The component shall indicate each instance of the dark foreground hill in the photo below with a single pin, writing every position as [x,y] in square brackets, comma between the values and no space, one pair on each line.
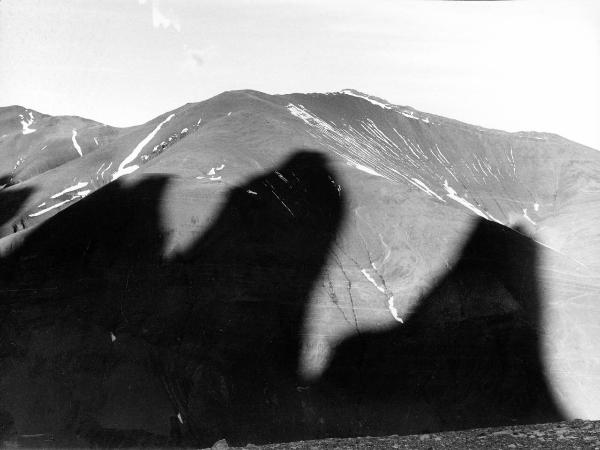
[281,268]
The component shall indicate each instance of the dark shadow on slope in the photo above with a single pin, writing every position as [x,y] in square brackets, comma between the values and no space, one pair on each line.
[468,356]
[250,275]
[11,202]
[107,343]
[75,279]
[111,344]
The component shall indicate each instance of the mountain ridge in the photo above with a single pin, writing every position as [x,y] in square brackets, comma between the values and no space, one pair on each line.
[341,91]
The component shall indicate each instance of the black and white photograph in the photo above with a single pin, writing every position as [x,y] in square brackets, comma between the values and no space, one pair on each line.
[300,224]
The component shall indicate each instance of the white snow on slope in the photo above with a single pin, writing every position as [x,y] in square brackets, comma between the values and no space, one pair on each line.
[71,189]
[426,189]
[108,167]
[84,193]
[100,168]
[372,280]
[365,97]
[454,196]
[75,144]
[364,168]
[394,310]
[310,119]
[27,123]
[390,302]
[44,211]
[212,170]
[123,169]
[529,219]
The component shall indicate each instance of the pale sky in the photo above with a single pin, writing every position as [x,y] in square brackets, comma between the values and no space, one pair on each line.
[512,65]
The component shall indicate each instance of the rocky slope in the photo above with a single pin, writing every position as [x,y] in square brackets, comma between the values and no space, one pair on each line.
[275,268]
[562,435]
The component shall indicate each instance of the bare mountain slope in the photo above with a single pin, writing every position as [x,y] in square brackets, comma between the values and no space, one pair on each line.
[274,268]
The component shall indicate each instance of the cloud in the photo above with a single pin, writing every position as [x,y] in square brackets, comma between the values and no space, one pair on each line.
[160,19]
[197,57]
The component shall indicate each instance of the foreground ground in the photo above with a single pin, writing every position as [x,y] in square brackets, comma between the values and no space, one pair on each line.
[577,434]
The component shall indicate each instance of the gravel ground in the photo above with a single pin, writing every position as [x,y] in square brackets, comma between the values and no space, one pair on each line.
[577,434]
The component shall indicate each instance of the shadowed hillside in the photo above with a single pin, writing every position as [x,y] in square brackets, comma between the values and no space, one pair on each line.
[107,342]
[468,356]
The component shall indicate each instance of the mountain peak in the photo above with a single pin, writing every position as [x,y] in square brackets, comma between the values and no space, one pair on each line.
[370,98]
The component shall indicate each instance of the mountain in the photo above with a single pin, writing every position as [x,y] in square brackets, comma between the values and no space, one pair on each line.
[269,268]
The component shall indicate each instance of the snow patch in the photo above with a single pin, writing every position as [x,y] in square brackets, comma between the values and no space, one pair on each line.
[27,123]
[426,189]
[108,167]
[75,144]
[123,169]
[394,310]
[44,211]
[215,178]
[307,117]
[213,169]
[536,207]
[96,141]
[364,169]
[84,193]
[529,219]
[372,280]
[70,189]
[365,97]
[390,302]
[113,338]
[454,196]
[409,114]
[281,177]
[185,130]
[179,418]
[100,168]
[249,191]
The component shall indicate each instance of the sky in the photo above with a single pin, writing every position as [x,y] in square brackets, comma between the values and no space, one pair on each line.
[512,65]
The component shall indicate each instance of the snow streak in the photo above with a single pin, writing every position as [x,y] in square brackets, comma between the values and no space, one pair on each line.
[123,168]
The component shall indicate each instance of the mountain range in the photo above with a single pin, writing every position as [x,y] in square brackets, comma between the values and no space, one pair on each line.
[269,268]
